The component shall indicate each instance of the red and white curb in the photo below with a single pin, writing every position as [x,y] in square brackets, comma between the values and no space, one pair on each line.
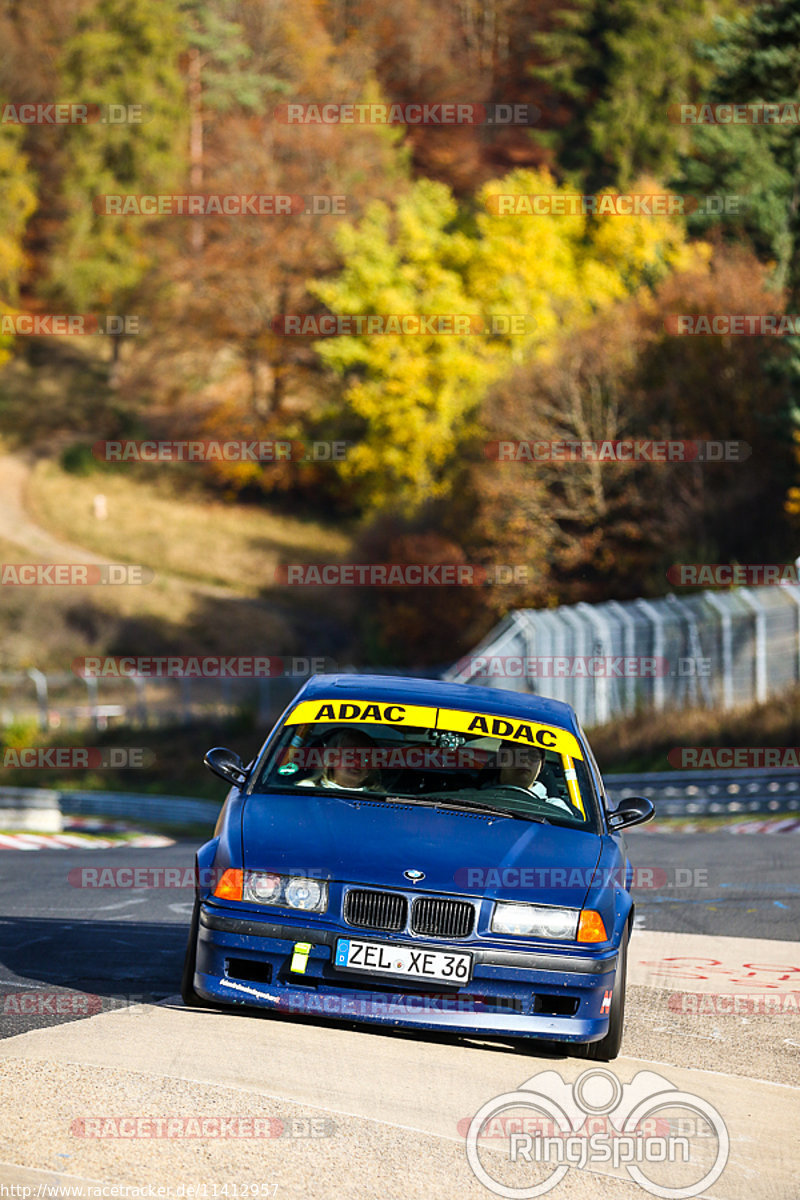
[77,841]
[765,825]
[788,825]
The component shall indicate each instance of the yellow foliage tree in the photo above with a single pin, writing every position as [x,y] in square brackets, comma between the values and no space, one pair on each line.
[524,279]
[17,202]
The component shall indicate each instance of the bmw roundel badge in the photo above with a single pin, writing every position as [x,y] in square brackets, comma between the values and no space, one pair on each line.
[414,876]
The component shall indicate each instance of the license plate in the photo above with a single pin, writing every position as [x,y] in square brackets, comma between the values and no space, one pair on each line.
[375,959]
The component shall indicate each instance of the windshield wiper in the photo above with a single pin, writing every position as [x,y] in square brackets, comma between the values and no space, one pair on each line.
[495,812]
[426,801]
[453,803]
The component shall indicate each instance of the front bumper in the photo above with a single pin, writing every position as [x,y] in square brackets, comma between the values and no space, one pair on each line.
[556,995]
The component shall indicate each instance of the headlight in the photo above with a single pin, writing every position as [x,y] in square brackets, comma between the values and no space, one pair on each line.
[306,893]
[532,920]
[287,891]
[263,888]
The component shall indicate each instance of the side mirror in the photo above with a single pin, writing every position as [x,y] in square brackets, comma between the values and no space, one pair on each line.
[227,765]
[633,810]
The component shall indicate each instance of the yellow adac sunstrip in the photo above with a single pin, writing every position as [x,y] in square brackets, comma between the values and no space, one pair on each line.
[362,712]
[510,729]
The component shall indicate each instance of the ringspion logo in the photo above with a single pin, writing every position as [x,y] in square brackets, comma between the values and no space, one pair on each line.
[651,1128]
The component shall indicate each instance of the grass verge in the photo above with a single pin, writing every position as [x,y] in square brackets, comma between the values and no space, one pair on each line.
[155,523]
[642,743]
[174,766]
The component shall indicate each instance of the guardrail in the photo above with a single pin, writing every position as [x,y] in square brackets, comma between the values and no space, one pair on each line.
[178,810]
[674,793]
[30,808]
[44,809]
[710,793]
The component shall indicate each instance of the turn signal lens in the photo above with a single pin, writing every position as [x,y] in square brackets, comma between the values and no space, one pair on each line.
[591,927]
[230,886]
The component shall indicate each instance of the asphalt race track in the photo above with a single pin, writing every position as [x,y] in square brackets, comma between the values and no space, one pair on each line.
[92,1027]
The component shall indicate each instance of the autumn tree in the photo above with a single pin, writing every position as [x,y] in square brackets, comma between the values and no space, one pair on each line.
[31,36]
[410,393]
[478,51]
[726,388]
[17,203]
[219,361]
[523,279]
[124,53]
[609,528]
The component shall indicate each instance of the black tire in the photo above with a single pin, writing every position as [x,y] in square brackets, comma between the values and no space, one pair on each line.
[608,1047]
[188,994]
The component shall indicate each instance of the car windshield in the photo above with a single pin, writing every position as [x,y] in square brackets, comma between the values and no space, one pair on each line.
[517,769]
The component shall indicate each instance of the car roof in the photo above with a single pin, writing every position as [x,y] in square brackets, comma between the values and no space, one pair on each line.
[438,692]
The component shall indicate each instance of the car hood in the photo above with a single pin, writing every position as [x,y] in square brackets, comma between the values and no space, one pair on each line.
[374,843]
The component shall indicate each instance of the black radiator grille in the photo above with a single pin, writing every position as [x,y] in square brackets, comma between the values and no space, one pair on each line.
[442,918]
[375,910]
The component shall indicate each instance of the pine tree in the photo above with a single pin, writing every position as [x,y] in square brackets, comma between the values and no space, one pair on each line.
[219,79]
[617,65]
[758,60]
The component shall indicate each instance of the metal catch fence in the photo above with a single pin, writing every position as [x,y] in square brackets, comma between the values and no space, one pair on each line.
[712,649]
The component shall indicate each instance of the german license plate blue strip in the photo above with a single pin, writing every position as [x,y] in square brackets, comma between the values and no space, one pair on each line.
[342,951]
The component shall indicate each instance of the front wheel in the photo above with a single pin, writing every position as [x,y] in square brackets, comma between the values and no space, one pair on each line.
[188,994]
[608,1047]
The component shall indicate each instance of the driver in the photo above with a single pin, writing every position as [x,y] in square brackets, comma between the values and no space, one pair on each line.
[523,772]
[347,768]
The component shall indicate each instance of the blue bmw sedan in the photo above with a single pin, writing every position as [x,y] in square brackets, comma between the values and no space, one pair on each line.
[419,854]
